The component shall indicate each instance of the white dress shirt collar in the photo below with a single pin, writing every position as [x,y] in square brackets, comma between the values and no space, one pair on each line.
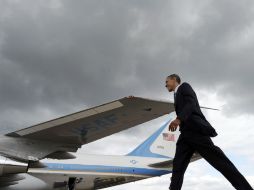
[175,91]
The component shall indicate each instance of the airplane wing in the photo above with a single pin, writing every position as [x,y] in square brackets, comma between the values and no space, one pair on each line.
[89,125]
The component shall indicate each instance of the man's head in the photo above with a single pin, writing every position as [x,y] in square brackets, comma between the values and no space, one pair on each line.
[172,81]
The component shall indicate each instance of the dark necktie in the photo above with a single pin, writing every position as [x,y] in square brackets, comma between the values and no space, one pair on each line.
[174,97]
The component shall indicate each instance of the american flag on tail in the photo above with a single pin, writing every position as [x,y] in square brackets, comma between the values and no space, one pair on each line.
[168,137]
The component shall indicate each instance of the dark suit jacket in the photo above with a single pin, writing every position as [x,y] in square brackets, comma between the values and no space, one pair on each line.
[188,111]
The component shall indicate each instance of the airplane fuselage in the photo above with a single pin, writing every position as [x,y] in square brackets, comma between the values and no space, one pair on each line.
[90,172]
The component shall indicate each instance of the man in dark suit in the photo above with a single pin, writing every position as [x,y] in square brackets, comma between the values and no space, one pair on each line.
[195,137]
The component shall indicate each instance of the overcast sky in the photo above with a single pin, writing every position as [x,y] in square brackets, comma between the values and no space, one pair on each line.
[58,57]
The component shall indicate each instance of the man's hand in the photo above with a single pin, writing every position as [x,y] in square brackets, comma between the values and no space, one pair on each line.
[174,124]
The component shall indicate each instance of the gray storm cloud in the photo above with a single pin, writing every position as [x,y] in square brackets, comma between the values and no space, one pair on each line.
[64,55]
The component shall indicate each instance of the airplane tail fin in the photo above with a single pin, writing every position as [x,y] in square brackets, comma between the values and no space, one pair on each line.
[161,144]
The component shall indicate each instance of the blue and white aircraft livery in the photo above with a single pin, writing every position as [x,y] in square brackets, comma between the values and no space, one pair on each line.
[40,158]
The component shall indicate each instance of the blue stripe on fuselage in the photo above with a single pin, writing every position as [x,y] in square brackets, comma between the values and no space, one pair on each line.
[106,169]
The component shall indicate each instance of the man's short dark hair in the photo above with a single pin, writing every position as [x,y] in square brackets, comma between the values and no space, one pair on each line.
[178,79]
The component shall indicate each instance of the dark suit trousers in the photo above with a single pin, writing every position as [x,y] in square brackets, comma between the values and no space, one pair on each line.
[187,145]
